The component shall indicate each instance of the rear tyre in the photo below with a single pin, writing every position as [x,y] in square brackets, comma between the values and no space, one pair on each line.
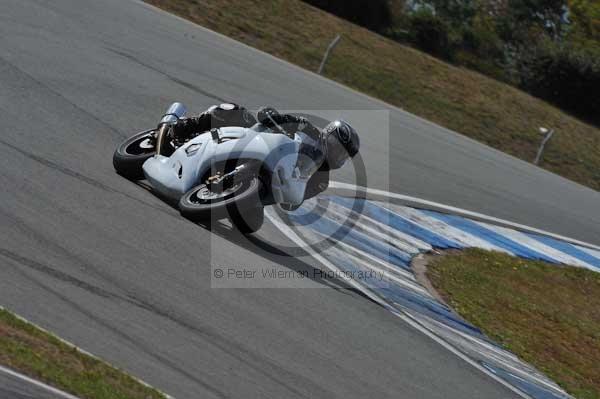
[131,154]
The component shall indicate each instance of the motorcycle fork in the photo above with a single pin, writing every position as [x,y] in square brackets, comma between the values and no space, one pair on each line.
[160,138]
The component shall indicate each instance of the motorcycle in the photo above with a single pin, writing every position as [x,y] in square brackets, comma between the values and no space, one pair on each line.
[229,172]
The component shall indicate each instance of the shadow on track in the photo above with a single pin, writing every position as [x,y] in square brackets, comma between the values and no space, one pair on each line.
[264,249]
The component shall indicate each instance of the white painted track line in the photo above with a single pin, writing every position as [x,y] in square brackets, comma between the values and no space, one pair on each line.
[407,318]
[29,380]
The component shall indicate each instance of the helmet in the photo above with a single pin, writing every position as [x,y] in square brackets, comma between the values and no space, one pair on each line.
[229,114]
[342,143]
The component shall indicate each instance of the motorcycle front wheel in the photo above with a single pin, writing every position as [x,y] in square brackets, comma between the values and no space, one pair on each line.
[131,154]
[248,222]
[241,203]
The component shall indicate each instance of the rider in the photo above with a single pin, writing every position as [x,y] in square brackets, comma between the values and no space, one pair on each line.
[215,116]
[328,149]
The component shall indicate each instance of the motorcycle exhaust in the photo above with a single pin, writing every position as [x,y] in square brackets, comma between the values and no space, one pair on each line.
[174,112]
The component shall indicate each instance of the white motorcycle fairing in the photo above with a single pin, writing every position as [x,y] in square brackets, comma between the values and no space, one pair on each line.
[176,174]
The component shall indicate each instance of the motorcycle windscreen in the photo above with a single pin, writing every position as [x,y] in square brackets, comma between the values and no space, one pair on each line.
[310,158]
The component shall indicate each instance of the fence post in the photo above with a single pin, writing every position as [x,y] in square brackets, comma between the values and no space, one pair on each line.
[547,136]
[326,55]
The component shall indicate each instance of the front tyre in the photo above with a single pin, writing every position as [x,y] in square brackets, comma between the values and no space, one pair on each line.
[249,221]
[131,154]
[201,204]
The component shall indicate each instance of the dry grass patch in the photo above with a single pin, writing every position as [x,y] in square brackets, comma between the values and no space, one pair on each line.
[548,315]
[465,101]
[33,352]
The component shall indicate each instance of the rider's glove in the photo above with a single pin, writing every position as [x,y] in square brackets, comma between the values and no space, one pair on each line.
[302,123]
[267,116]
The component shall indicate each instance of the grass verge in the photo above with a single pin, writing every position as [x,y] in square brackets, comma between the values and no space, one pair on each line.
[546,314]
[33,352]
[464,101]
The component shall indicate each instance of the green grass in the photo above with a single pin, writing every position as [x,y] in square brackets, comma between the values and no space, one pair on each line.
[462,100]
[548,315]
[27,349]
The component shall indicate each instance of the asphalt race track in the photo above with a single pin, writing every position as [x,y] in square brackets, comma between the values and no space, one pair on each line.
[107,265]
